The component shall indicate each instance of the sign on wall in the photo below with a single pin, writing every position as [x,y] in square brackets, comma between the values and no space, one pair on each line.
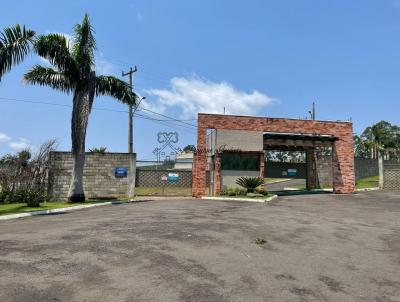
[292,172]
[173,177]
[121,172]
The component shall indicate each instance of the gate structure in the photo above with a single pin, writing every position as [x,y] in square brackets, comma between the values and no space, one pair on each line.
[251,136]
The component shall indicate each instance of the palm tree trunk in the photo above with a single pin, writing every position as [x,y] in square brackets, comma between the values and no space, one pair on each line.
[80,117]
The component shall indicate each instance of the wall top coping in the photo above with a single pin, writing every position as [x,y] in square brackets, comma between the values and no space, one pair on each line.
[95,153]
[275,118]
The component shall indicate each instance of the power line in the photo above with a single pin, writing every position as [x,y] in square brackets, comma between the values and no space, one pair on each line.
[163,122]
[169,117]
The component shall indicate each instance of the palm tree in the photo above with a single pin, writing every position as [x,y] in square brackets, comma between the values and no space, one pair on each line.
[15,44]
[74,74]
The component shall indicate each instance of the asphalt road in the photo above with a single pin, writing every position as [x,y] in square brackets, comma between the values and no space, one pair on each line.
[318,248]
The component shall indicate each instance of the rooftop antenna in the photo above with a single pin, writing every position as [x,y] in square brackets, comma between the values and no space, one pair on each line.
[313,110]
[224,110]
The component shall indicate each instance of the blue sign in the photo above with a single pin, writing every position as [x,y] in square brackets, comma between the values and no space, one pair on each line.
[173,177]
[121,172]
[292,172]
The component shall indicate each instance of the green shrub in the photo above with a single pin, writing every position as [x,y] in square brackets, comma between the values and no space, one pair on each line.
[232,191]
[101,150]
[240,191]
[261,191]
[4,196]
[31,197]
[34,198]
[250,183]
[224,191]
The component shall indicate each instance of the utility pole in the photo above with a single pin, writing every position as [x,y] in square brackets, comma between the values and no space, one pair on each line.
[130,123]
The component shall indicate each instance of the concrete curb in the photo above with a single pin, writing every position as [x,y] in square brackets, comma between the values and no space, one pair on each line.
[60,210]
[295,189]
[368,189]
[240,199]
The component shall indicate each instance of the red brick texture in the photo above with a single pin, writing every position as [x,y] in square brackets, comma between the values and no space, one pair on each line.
[342,159]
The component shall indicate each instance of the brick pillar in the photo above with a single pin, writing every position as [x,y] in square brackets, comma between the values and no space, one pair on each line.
[217,173]
[262,168]
[200,163]
[311,169]
[343,164]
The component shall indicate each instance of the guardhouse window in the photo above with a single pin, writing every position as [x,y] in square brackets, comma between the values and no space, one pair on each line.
[242,162]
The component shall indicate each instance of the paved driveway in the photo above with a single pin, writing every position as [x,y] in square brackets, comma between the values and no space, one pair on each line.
[280,186]
[319,248]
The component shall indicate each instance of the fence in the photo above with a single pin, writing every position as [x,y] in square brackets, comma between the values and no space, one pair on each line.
[163,178]
[391,176]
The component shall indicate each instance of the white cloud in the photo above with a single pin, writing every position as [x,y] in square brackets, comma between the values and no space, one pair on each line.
[19,145]
[103,66]
[4,138]
[195,94]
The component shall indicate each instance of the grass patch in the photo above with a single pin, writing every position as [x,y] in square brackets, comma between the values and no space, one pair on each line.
[166,191]
[368,182]
[260,241]
[16,208]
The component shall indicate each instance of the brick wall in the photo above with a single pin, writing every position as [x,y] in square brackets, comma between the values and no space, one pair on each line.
[342,160]
[99,176]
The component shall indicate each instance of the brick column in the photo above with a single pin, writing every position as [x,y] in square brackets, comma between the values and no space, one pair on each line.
[217,174]
[200,163]
[262,168]
[311,169]
[343,164]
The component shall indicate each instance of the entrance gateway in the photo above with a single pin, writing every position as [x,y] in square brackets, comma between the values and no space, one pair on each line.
[251,137]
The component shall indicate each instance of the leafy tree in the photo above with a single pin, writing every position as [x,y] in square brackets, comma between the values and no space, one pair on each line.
[382,138]
[73,73]
[15,44]
[189,148]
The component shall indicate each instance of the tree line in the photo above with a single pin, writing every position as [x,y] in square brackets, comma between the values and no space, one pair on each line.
[380,139]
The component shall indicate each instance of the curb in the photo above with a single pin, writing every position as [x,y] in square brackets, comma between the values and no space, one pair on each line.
[240,199]
[60,210]
[295,189]
[368,189]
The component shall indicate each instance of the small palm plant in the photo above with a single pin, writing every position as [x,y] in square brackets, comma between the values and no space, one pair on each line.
[249,183]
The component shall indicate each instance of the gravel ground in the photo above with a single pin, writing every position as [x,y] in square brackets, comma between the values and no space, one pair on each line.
[318,248]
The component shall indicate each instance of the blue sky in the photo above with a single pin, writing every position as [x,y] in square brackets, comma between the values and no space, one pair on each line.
[259,57]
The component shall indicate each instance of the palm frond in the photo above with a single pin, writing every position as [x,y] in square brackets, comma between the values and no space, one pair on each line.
[84,45]
[55,48]
[111,86]
[47,76]
[15,43]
